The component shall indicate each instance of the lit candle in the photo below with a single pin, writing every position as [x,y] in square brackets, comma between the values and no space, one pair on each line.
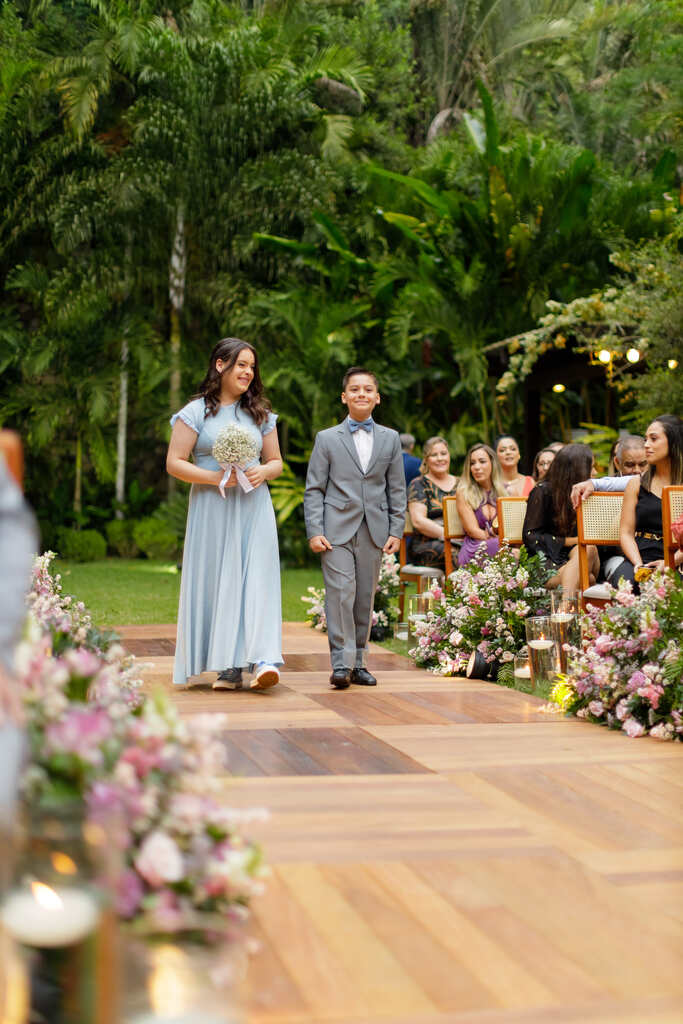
[46,918]
[562,617]
[523,672]
[402,634]
[541,644]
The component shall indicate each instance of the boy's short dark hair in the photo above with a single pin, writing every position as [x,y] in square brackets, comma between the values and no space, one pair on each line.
[356,371]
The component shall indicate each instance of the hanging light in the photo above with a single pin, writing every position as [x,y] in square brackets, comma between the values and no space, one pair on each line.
[672,364]
[558,388]
[633,355]
[604,355]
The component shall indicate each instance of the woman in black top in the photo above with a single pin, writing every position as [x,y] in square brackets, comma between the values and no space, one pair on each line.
[640,533]
[550,521]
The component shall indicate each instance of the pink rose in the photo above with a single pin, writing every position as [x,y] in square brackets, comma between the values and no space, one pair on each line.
[159,860]
[633,728]
[596,708]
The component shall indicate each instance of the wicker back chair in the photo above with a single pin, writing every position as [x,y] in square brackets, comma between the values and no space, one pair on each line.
[12,452]
[672,509]
[409,573]
[453,531]
[511,513]
[597,521]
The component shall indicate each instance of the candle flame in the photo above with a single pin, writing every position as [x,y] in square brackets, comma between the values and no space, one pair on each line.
[46,896]
[63,863]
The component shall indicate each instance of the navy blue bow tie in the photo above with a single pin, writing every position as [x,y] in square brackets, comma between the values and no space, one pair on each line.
[354,425]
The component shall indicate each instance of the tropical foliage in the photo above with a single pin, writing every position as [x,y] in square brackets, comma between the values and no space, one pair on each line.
[402,184]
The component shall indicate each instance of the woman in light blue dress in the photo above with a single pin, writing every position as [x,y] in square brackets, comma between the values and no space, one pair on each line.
[230,615]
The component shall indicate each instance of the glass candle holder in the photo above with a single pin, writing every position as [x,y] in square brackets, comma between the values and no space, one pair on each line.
[522,668]
[419,606]
[565,608]
[192,976]
[542,649]
[55,908]
[402,631]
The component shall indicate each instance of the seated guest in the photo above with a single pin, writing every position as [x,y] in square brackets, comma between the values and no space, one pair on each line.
[477,495]
[516,484]
[629,456]
[542,463]
[425,495]
[640,533]
[550,522]
[411,463]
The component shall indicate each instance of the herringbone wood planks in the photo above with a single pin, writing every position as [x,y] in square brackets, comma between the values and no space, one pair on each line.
[445,853]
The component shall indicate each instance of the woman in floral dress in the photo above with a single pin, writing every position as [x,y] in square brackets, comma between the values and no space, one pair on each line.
[425,496]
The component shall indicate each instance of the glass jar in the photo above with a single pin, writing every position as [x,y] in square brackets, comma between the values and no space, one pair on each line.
[193,976]
[56,910]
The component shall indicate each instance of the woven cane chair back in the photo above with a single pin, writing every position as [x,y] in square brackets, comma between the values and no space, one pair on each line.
[453,530]
[597,522]
[511,513]
[672,509]
[598,518]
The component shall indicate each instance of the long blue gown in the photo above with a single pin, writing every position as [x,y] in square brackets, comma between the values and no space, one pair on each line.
[230,613]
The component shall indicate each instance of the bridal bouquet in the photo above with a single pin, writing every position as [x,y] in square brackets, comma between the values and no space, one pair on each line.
[234,448]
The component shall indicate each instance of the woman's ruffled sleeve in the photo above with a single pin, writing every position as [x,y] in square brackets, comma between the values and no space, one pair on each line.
[191,414]
[538,526]
[268,425]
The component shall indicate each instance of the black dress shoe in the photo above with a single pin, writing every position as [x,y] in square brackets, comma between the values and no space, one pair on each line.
[361,677]
[340,679]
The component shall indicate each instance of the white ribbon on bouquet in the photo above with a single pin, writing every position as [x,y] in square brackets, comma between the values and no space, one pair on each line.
[242,478]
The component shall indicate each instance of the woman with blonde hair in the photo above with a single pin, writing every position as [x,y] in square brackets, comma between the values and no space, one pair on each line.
[480,487]
[425,496]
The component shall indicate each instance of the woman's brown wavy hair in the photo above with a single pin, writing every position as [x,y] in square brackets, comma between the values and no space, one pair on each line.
[571,465]
[253,400]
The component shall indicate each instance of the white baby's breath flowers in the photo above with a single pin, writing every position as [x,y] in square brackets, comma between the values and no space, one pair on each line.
[235,445]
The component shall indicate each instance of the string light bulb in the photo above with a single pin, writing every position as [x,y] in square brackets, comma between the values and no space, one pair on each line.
[672,364]
[633,355]
[604,355]
[558,388]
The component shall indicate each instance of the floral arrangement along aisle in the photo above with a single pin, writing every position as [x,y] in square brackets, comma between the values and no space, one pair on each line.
[629,673]
[385,611]
[483,608]
[128,758]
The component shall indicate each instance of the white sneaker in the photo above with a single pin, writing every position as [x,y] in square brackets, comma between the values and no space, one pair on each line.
[266,676]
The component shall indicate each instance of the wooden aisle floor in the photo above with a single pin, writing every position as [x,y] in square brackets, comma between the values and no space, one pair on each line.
[443,852]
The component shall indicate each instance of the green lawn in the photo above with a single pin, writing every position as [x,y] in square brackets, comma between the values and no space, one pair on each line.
[122,591]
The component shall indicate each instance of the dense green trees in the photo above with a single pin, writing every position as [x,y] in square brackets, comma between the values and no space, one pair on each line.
[402,184]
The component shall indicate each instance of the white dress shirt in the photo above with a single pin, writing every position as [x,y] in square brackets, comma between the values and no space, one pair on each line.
[363,440]
[615,484]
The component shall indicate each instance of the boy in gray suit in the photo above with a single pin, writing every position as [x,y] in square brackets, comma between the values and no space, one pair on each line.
[354,506]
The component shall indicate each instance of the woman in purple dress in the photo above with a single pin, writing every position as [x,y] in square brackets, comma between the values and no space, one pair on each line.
[480,487]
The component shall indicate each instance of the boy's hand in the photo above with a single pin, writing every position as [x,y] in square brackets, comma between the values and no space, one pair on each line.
[392,546]
[319,544]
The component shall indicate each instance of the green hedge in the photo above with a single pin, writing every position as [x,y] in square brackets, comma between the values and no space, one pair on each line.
[156,539]
[81,545]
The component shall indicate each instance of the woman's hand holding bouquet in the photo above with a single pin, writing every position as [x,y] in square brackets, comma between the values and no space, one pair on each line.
[233,449]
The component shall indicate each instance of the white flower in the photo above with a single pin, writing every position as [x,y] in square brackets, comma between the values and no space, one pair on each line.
[235,445]
[159,860]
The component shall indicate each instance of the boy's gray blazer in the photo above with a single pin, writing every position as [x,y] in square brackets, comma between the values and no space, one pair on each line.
[339,494]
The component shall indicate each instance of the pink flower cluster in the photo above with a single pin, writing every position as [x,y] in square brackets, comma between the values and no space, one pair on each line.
[483,608]
[628,674]
[152,779]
